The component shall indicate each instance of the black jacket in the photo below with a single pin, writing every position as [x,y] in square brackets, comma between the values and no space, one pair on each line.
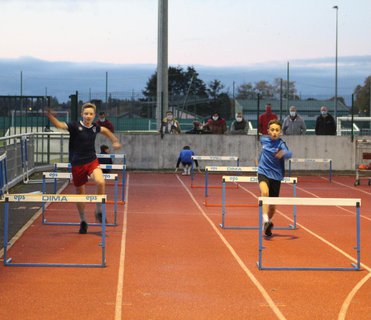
[325,126]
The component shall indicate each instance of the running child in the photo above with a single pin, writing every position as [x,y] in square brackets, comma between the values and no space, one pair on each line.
[271,169]
[82,156]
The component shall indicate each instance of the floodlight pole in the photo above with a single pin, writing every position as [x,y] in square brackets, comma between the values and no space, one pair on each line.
[162,62]
[336,65]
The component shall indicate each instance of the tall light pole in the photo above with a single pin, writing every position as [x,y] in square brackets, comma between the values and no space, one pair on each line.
[336,65]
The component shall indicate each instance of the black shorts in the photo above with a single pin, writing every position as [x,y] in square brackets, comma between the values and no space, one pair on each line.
[273,185]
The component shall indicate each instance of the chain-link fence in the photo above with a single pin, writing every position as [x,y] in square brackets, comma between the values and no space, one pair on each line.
[133,112]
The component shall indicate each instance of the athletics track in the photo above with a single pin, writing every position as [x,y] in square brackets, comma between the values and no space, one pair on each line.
[169,259]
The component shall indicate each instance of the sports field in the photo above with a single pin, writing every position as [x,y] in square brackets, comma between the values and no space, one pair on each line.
[168,257]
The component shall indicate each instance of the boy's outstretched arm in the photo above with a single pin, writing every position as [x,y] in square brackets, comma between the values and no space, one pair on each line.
[56,123]
[115,141]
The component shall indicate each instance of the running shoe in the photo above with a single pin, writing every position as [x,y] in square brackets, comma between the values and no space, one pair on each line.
[83,227]
[268,228]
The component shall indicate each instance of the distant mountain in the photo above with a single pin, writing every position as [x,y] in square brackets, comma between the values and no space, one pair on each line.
[313,78]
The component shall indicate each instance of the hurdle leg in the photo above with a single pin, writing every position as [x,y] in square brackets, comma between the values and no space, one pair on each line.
[223,203]
[358,244]
[6,233]
[260,256]
[103,244]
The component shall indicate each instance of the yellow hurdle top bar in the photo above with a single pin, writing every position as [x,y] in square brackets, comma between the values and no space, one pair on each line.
[240,169]
[30,197]
[255,179]
[310,201]
[215,158]
[68,175]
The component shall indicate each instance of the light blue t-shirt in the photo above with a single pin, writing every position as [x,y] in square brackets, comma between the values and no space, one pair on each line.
[269,165]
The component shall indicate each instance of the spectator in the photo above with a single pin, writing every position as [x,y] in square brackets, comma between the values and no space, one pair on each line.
[216,124]
[264,119]
[169,124]
[104,122]
[185,158]
[325,123]
[197,128]
[294,124]
[105,150]
[240,125]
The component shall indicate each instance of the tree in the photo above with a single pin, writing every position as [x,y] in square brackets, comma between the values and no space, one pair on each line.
[293,95]
[246,91]
[215,89]
[181,83]
[264,88]
[362,96]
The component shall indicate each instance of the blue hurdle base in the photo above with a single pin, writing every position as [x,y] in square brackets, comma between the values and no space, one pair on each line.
[76,224]
[354,268]
[289,227]
[66,265]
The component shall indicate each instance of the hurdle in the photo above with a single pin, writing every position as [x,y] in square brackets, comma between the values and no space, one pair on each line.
[212,158]
[26,197]
[122,167]
[310,202]
[68,176]
[303,160]
[239,179]
[3,176]
[223,169]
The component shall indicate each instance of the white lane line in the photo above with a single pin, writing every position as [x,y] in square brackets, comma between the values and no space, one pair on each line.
[349,298]
[120,280]
[253,279]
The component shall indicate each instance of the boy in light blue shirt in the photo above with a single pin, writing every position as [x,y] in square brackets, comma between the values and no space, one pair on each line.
[271,169]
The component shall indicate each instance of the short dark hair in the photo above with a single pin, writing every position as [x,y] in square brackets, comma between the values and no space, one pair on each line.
[101,113]
[275,121]
[103,147]
[186,148]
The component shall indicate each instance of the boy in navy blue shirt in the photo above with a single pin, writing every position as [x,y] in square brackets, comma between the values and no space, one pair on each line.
[185,158]
[83,157]
[271,169]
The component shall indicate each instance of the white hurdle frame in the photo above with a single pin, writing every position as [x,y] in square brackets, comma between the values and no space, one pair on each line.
[213,158]
[310,202]
[225,169]
[26,197]
[66,165]
[68,176]
[303,160]
[241,179]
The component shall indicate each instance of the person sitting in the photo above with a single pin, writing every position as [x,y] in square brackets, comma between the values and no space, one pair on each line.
[240,125]
[216,124]
[105,150]
[197,128]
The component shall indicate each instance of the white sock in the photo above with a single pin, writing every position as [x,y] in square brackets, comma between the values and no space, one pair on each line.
[82,216]
[265,217]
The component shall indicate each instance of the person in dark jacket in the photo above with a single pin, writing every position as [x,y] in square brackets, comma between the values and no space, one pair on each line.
[325,123]
[105,150]
[216,124]
[104,122]
[240,125]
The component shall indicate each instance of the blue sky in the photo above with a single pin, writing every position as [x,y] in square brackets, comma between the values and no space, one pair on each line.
[201,32]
